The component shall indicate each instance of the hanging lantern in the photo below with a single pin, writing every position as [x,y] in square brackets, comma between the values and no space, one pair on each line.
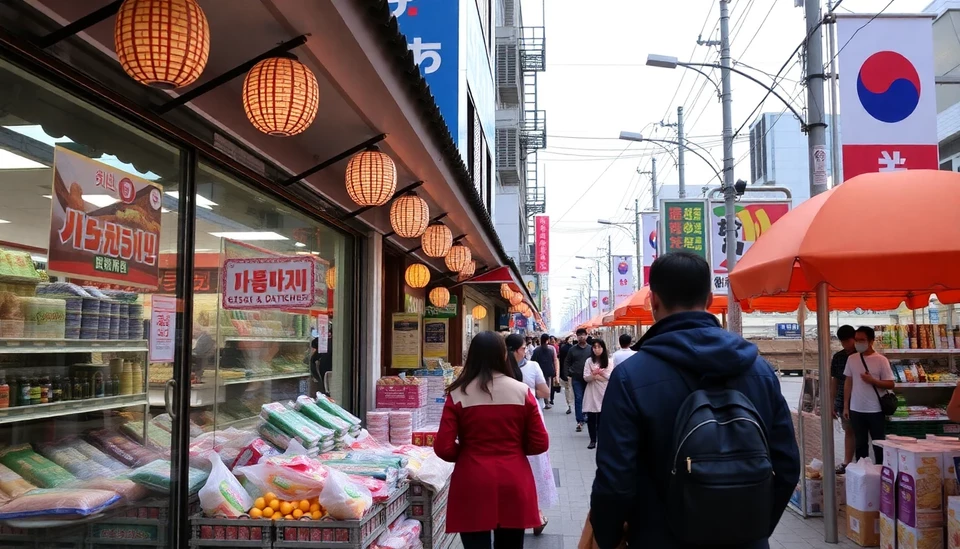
[469,269]
[458,256]
[516,298]
[479,312]
[440,297]
[506,291]
[331,278]
[417,275]
[518,308]
[371,178]
[525,309]
[162,43]
[409,215]
[436,240]
[281,96]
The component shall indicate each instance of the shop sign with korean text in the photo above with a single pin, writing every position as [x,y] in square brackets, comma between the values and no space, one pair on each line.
[436,337]
[163,327]
[450,311]
[268,283]
[750,221]
[406,348]
[684,227]
[542,243]
[888,98]
[104,223]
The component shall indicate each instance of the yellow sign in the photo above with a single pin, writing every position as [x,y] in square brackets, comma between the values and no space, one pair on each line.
[406,341]
[436,337]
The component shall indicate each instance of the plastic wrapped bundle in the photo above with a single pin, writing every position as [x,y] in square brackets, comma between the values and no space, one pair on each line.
[34,468]
[378,426]
[12,484]
[401,428]
[95,454]
[62,503]
[122,448]
[73,461]
[292,423]
[156,476]
[308,407]
[326,404]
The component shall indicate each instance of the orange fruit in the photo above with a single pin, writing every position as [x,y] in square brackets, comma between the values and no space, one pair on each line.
[314,507]
[260,503]
[270,496]
[304,505]
[277,516]
[286,508]
[275,504]
[297,513]
[316,515]
[256,513]
[268,512]
[288,517]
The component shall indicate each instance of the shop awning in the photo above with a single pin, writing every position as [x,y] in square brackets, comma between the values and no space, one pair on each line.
[505,275]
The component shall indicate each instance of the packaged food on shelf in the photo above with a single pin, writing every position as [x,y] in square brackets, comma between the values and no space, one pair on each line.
[323,401]
[73,461]
[308,407]
[157,438]
[293,424]
[156,476]
[129,490]
[12,484]
[222,494]
[122,448]
[97,455]
[58,502]
[34,468]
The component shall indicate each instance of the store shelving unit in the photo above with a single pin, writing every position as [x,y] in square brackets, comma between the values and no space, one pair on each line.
[924,393]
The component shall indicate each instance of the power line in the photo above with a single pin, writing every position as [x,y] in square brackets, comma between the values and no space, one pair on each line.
[587,190]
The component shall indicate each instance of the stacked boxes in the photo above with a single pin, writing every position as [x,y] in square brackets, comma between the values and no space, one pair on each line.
[863,503]
[920,516]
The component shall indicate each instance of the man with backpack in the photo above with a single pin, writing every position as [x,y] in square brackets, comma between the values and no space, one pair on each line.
[700,448]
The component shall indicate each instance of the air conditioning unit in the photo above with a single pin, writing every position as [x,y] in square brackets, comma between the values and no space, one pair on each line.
[509,159]
[508,72]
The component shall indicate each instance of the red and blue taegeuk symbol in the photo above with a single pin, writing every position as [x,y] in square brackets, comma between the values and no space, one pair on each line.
[888,86]
[622,267]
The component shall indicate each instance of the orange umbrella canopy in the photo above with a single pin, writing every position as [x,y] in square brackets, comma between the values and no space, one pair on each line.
[877,240]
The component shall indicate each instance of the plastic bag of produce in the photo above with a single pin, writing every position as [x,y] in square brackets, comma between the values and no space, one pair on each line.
[35,468]
[156,476]
[344,499]
[291,477]
[58,502]
[13,484]
[222,495]
[325,403]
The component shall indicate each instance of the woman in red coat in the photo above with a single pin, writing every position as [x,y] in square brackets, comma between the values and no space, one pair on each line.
[490,425]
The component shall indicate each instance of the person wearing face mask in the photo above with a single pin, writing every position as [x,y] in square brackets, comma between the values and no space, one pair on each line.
[644,456]
[868,375]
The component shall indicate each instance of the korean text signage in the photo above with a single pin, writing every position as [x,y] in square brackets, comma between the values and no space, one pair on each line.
[406,341]
[436,337]
[683,227]
[605,301]
[594,306]
[432,28]
[94,239]
[788,330]
[622,278]
[649,223]
[163,326]
[542,248]
[268,283]
[751,220]
[888,100]
[450,311]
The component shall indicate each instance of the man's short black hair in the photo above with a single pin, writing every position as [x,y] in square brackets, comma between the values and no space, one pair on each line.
[681,280]
[581,331]
[867,331]
[846,332]
[544,338]
[625,340]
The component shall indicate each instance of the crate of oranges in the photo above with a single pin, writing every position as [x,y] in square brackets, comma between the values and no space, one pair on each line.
[271,507]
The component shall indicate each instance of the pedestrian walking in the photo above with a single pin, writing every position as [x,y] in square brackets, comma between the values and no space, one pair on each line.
[562,373]
[624,352]
[698,442]
[546,357]
[846,335]
[490,424]
[867,374]
[540,464]
[576,356]
[596,372]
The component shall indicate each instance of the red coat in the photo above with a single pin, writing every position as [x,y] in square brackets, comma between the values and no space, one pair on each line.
[488,437]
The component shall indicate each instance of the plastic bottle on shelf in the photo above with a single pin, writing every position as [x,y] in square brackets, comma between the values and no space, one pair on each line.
[34,390]
[77,389]
[24,394]
[137,385]
[86,387]
[97,385]
[115,382]
[66,389]
[44,389]
[57,391]
[4,393]
[126,379]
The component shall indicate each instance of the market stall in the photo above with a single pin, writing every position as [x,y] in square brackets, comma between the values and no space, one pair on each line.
[802,254]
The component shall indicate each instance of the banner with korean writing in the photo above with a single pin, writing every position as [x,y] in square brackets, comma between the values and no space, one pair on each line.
[594,305]
[233,249]
[751,220]
[649,223]
[683,226]
[268,283]
[542,243]
[605,301]
[104,223]
[623,286]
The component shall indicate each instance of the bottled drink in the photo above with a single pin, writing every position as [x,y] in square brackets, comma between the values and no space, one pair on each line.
[115,380]
[35,390]
[4,393]
[77,389]
[87,388]
[57,389]
[98,389]
[44,389]
[66,388]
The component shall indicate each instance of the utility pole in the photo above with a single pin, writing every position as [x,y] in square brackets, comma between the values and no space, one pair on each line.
[734,320]
[680,168]
[653,179]
[817,144]
[639,262]
[613,294]
[836,168]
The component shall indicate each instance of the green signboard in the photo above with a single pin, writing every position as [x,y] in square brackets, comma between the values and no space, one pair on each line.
[684,225]
[450,311]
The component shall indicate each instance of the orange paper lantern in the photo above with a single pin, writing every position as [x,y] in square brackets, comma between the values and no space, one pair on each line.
[479,312]
[417,275]
[331,278]
[409,215]
[162,43]
[440,297]
[281,96]
[436,240]
[458,257]
[516,298]
[371,178]
[506,291]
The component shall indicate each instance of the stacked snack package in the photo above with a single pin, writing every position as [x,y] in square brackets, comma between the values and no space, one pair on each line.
[378,426]
[401,428]
[328,405]
[292,423]
[156,476]
[34,468]
[308,407]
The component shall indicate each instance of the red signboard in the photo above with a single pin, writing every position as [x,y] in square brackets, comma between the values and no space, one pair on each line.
[860,159]
[542,248]
[268,283]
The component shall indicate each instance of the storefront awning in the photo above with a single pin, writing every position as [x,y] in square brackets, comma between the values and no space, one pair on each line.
[506,275]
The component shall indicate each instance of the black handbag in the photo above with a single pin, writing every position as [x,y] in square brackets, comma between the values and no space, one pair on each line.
[888,401]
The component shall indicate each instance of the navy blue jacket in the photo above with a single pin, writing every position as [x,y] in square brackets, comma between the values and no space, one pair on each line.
[639,411]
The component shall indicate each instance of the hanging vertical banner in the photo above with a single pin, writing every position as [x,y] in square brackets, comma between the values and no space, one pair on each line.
[605,301]
[622,278]
[888,99]
[751,220]
[594,306]
[542,247]
[649,223]
[323,333]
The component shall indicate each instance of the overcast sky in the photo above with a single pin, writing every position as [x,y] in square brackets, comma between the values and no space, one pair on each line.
[596,85]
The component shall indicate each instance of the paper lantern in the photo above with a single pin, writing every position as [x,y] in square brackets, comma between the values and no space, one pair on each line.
[518,308]
[516,298]
[331,278]
[371,178]
[417,275]
[162,43]
[479,312]
[506,291]
[281,96]
[409,216]
[469,269]
[440,297]
[458,256]
[436,240]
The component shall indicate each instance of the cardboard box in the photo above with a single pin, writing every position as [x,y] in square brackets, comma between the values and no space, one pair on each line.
[863,527]
[401,396]
[888,493]
[953,522]
[814,488]
[920,515]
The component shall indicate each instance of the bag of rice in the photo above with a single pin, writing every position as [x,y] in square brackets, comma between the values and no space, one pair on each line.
[72,460]
[127,489]
[35,468]
[122,448]
[64,503]
[156,476]
[13,484]
[95,454]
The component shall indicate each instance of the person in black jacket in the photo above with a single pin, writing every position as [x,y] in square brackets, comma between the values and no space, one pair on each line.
[576,357]
[644,396]
[564,378]
[546,356]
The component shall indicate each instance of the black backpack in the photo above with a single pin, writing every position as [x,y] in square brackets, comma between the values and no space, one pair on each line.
[720,490]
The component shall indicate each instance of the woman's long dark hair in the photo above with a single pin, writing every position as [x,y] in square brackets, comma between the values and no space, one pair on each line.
[487,356]
[514,342]
[603,359]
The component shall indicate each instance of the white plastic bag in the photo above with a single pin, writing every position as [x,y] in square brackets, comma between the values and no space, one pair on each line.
[222,495]
[434,473]
[343,498]
[291,477]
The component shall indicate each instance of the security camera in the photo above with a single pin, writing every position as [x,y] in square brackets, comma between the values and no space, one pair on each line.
[740,187]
